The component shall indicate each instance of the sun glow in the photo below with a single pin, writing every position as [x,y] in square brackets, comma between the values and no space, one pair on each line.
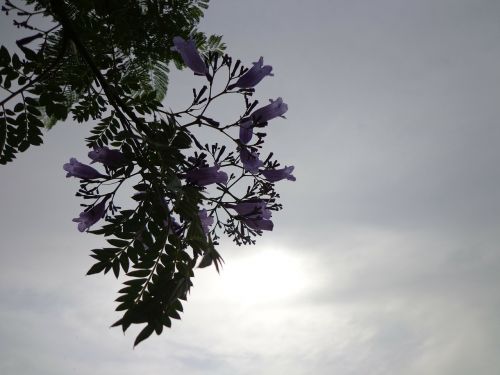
[265,275]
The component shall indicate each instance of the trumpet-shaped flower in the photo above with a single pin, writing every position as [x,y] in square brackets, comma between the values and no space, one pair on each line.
[80,170]
[246,131]
[206,221]
[252,209]
[206,175]
[173,226]
[250,160]
[190,55]
[253,76]
[259,224]
[254,214]
[276,109]
[110,158]
[90,217]
[274,175]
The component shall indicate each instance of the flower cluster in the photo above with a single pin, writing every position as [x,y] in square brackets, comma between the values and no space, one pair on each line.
[186,192]
[109,158]
[252,211]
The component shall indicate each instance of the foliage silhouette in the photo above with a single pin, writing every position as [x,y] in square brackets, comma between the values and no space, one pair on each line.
[109,61]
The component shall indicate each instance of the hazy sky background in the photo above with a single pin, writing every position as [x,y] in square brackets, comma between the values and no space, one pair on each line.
[385,259]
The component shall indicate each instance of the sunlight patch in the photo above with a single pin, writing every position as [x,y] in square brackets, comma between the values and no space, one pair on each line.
[271,274]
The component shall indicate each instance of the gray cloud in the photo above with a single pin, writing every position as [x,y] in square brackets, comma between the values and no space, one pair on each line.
[385,259]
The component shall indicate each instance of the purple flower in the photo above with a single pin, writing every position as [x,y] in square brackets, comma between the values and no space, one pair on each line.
[90,217]
[175,227]
[110,158]
[276,109]
[83,171]
[206,221]
[250,160]
[259,224]
[254,214]
[253,76]
[246,131]
[206,175]
[190,55]
[274,175]
[252,209]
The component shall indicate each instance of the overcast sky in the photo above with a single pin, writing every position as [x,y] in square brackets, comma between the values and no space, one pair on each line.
[385,259]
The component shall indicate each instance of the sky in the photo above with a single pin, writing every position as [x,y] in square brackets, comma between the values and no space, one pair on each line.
[385,259]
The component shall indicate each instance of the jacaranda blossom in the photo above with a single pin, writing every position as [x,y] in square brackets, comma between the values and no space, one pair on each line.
[254,214]
[175,227]
[253,76]
[252,209]
[90,217]
[80,170]
[274,175]
[206,221]
[246,131]
[190,55]
[110,158]
[206,175]
[259,224]
[250,160]
[276,109]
